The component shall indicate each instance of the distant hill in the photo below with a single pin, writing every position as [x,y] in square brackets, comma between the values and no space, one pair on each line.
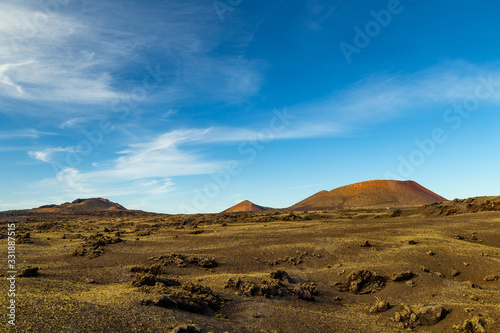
[370,194]
[89,207]
[245,207]
[80,206]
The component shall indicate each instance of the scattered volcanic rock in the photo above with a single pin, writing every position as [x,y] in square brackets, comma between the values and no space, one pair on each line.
[93,245]
[245,207]
[29,272]
[181,260]
[362,282]
[463,206]
[366,244]
[474,325]
[190,297]
[425,269]
[419,316]
[396,213]
[269,288]
[298,259]
[278,284]
[24,238]
[380,306]
[373,193]
[280,275]
[186,329]
[430,315]
[305,292]
[404,276]
[151,280]
[491,278]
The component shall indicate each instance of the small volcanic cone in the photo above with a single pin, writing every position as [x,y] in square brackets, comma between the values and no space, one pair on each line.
[245,207]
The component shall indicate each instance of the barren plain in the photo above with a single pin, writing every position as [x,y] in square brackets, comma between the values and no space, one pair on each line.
[425,269]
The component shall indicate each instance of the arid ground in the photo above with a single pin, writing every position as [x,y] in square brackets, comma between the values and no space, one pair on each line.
[429,269]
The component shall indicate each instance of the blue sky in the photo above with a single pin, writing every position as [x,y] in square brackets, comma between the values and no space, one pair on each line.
[193,106]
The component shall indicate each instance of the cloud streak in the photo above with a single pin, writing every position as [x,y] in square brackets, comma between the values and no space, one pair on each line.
[47,154]
[150,165]
[89,57]
[30,133]
[381,97]
[186,152]
[40,64]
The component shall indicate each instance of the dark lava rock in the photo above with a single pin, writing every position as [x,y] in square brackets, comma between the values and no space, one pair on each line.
[93,246]
[151,280]
[246,288]
[431,315]
[181,260]
[279,275]
[474,325]
[24,238]
[396,213]
[279,285]
[139,269]
[192,298]
[380,306]
[404,276]
[29,272]
[306,291]
[362,282]
[271,289]
[422,316]
[491,278]
[186,329]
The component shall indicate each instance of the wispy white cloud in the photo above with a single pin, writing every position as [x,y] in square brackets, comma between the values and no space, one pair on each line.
[213,135]
[68,56]
[168,114]
[72,183]
[39,63]
[39,155]
[147,167]
[29,133]
[46,155]
[72,122]
[381,97]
